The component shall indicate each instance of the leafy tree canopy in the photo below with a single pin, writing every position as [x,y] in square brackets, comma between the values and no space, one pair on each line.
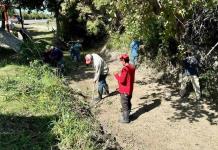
[30,4]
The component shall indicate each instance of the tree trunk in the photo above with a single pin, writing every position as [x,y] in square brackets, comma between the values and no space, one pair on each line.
[21,18]
[6,18]
[58,26]
[3,20]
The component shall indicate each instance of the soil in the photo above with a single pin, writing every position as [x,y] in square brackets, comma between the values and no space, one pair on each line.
[160,120]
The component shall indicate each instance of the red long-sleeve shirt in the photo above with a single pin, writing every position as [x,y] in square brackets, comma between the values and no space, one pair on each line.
[126,79]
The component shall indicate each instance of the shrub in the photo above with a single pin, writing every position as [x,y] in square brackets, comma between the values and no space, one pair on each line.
[30,51]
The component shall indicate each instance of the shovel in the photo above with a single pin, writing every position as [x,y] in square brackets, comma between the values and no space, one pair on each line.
[93,92]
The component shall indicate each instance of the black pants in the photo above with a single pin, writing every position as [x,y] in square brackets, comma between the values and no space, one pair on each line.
[126,102]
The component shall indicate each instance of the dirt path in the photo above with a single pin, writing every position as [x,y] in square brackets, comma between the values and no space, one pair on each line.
[160,121]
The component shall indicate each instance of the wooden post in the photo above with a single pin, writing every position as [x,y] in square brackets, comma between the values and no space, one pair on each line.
[4,14]
[6,17]
[2,6]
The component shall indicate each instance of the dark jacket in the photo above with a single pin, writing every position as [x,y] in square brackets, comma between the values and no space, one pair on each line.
[190,66]
[53,56]
[56,54]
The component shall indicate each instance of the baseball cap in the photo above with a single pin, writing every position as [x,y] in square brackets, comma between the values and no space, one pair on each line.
[88,59]
[124,56]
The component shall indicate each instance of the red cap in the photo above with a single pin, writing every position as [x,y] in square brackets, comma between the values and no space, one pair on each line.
[124,56]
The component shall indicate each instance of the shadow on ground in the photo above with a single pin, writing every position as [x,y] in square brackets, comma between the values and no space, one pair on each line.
[188,108]
[8,56]
[77,71]
[21,132]
[145,108]
[192,110]
[6,53]
[35,33]
[116,92]
[104,99]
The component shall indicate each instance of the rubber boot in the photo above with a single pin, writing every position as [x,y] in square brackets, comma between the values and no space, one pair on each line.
[124,117]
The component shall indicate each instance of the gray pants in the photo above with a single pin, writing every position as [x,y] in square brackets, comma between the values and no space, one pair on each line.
[125,102]
[195,83]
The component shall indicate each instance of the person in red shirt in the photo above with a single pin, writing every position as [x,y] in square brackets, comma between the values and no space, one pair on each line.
[125,80]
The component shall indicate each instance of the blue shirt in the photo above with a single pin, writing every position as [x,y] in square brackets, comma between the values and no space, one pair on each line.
[134,46]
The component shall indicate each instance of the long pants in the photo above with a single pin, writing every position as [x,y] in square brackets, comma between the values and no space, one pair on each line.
[195,83]
[126,102]
[102,85]
[76,56]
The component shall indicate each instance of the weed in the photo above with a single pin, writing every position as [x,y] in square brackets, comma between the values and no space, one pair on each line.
[38,99]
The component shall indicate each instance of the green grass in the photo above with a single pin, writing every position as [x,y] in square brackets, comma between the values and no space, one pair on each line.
[26,132]
[37,111]
[41,31]
[21,127]
[10,70]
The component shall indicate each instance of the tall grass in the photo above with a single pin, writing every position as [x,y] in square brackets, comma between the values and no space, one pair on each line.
[37,93]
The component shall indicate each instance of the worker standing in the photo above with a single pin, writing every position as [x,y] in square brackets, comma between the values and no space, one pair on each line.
[125,80]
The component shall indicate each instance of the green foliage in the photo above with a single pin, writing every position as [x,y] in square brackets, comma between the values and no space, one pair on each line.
[35,15]
[30,4]
[30,51]
[93,26]
[99,4]
[37,91]
[73,132]
[119,42]
[210,84]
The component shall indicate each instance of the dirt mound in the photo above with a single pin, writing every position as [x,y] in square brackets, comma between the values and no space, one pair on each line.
[7,40]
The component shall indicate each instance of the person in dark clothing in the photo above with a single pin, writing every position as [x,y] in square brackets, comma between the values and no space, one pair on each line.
[53,56]
[190,73]
[125,80]
[75,51]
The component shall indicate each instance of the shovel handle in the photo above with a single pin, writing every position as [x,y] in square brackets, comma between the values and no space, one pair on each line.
[93,91]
